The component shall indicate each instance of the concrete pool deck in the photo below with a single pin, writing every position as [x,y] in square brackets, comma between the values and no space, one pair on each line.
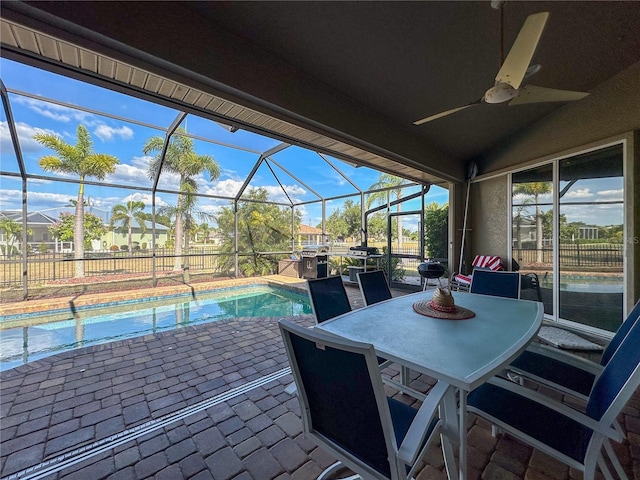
[205,402]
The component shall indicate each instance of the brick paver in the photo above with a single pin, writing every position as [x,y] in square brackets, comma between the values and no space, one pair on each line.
[62,403]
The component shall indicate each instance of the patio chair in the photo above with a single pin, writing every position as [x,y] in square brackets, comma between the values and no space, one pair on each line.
[328,297]
[565,372]
[496,283]
[580,440]
[530,281]
[461,282]
[373,286]
[345,411]
[328,300]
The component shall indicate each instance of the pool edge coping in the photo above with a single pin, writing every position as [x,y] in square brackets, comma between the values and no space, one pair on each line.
[92,299]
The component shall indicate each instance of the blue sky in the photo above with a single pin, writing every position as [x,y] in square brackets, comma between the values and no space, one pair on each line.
[124,136]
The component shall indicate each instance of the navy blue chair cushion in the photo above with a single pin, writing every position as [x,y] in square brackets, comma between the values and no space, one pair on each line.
[374,286]
[328,297]
[533,419]
[555,371]
[567,375]
[620,334]
[498,284]
[615,374]
[342,402]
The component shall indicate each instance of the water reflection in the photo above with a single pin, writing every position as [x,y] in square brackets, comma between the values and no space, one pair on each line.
[29,339]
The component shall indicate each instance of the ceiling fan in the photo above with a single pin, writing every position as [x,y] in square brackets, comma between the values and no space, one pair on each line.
[515,68]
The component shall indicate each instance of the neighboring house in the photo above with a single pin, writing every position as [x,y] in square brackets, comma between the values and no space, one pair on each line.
[307,235]
[38,225]
[120,236]
[524,234]
[588,232]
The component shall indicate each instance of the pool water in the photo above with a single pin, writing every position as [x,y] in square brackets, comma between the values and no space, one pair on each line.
[27,338]
[585,283]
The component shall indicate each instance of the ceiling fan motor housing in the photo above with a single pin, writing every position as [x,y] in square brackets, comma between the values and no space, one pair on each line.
[499,93]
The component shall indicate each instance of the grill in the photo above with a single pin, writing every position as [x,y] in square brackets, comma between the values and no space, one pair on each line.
[315,250]
[314,261]
[429,270]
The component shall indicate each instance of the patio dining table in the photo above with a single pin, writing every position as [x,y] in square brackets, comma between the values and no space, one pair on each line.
[462,353]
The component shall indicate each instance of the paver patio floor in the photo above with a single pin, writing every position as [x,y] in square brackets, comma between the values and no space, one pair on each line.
[204,402]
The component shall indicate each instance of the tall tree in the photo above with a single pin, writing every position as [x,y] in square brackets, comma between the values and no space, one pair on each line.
[80,160]
[536,189]
[202,232]
[182,160]
[436,230]
[125,215]
[394,184]
[12,231]
[63,229]
[262,227]
[346,221]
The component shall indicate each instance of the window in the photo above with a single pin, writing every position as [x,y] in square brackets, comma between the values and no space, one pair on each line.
[568,228]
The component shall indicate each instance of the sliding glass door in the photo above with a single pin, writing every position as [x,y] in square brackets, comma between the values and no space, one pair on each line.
[568,228]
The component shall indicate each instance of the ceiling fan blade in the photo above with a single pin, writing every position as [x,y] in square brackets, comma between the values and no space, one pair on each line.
[533,94]
[515,65]
[444,114]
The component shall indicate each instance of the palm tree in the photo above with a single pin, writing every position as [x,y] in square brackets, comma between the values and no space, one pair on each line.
[181,160]
[536,189]
[126,214]
[81,160]
[203,231]
[386,180]
[12,231]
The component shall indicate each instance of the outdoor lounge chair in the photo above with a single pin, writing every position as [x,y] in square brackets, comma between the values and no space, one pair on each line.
[496,283]
[373,286]
[580,440]
[565,372]
[345,411]
[460,282]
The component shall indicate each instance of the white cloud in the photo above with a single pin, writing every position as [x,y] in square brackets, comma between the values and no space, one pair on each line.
[25,138]
[107,134]
[130,175]
[224,188]
[578,193]
[611,195]
[12,199]
[53,111]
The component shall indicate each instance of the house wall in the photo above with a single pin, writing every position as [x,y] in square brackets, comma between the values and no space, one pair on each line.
[611,111]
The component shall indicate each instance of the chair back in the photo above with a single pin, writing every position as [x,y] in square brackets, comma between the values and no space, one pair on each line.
[374,286]
[498,284]
[618,380]
[342,399]
[617,339]
[530,281]
[328,298]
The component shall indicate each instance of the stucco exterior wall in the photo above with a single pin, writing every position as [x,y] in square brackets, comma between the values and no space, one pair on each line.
[488,218]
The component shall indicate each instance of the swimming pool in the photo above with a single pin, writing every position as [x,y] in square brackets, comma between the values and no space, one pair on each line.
[585,283]
[28,337]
